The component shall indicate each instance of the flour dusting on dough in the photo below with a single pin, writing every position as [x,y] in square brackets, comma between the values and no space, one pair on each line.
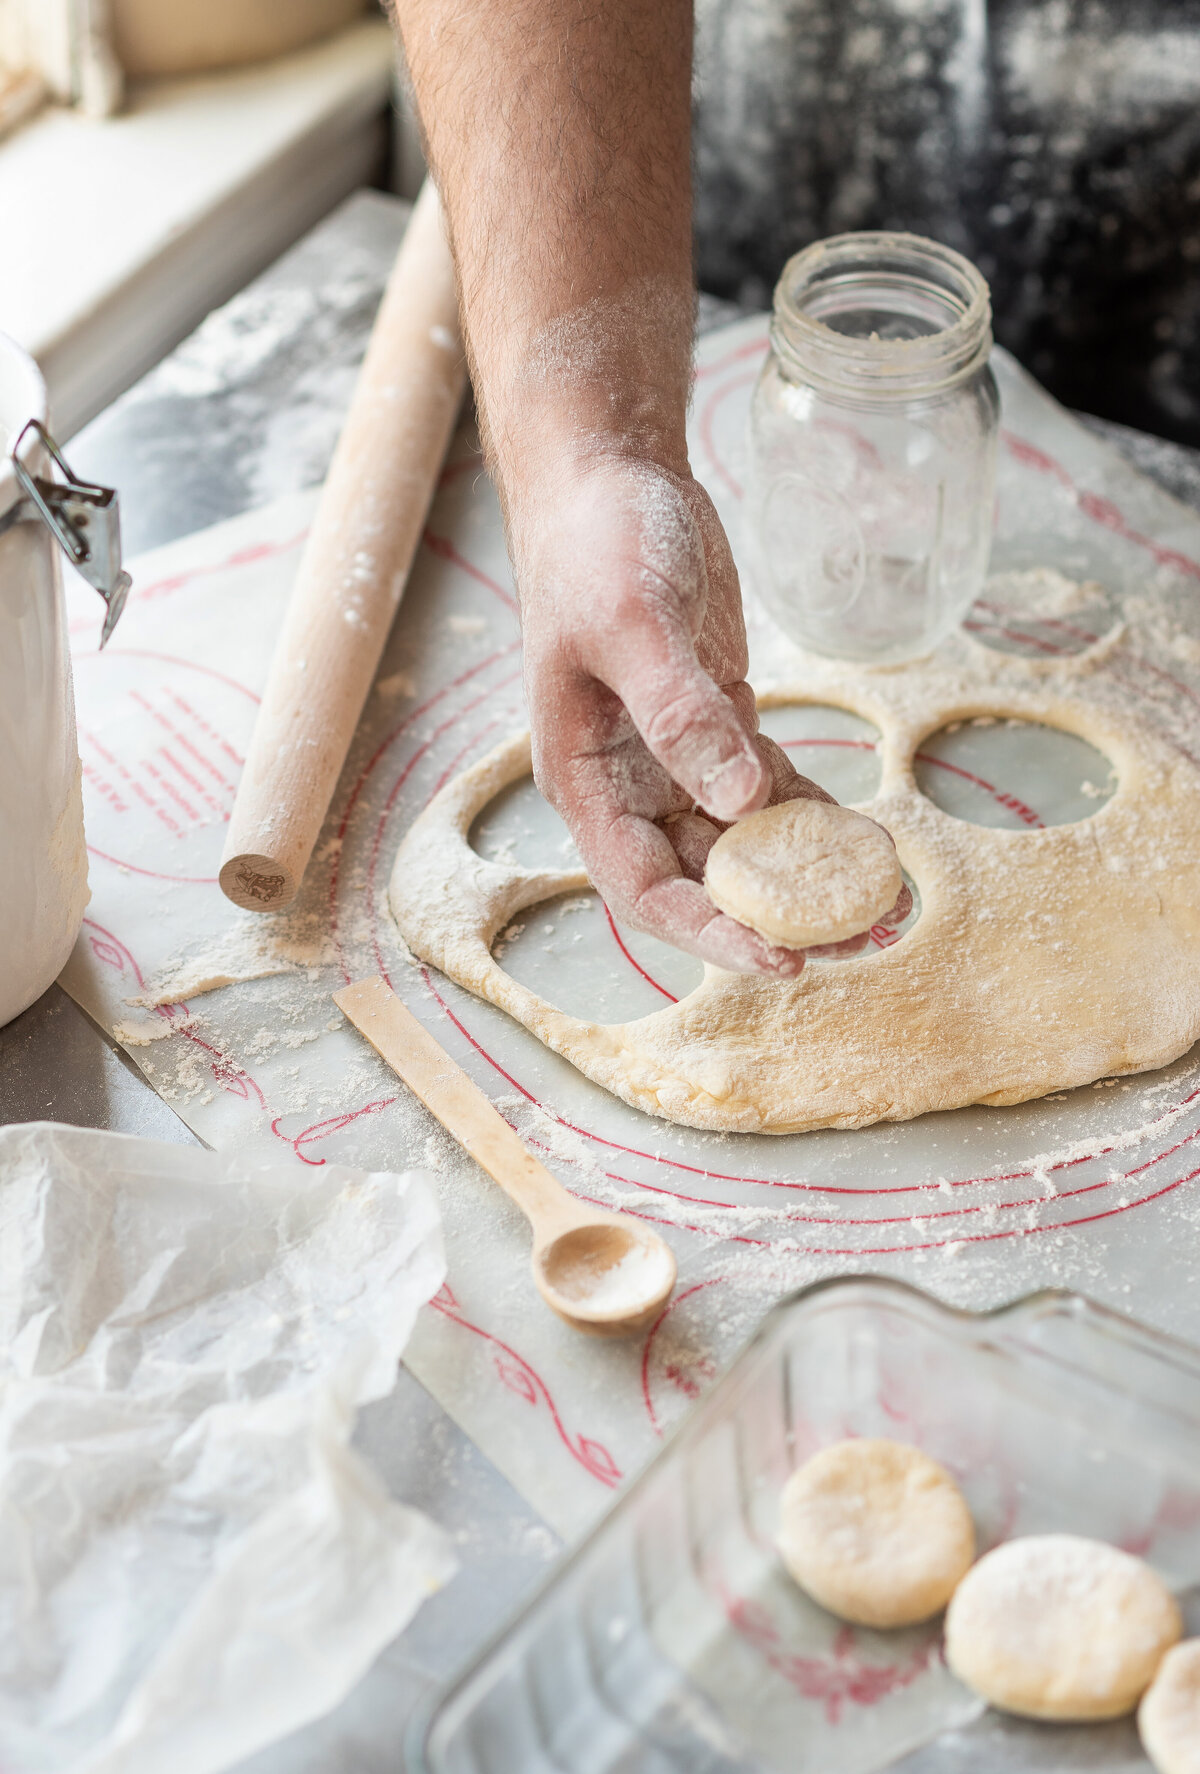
[1043,958]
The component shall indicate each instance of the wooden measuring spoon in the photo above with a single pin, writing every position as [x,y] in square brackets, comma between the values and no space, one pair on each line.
[603,1272]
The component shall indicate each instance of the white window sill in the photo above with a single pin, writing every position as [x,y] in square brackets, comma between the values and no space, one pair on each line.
[117,237]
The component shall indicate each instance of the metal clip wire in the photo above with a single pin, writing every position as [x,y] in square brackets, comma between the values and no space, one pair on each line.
[84,519]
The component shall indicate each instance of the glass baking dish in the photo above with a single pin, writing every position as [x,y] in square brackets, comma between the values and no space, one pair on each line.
[672,1638]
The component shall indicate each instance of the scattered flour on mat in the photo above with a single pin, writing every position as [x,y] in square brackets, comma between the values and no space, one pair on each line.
[253,947]
[641,1274]
[141,1031]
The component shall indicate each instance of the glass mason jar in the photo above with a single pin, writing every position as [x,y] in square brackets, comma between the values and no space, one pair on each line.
[872,447]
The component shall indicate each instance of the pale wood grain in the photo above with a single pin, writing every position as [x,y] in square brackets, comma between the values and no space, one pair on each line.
[364,537]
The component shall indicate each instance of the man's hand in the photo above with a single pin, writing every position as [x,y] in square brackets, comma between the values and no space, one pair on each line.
[559,133]
[645,731]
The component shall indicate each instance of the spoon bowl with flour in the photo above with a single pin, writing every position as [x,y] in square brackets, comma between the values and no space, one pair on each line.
[604,1274]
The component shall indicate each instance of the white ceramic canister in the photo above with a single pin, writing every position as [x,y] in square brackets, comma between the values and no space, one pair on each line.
[43,862]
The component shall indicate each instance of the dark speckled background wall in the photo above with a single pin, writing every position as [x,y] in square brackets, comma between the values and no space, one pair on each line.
[1058,144]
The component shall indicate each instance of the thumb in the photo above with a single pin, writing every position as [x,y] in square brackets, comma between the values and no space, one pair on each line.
[687,722]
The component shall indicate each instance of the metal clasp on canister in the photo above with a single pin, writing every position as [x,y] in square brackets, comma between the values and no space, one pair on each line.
[84,519]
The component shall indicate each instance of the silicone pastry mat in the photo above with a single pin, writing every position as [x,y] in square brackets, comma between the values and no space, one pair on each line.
[1097,1190]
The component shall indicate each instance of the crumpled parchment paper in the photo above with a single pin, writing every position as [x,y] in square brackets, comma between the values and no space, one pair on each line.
[193,1560]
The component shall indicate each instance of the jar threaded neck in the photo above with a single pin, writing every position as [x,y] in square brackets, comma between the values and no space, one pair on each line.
[877,316]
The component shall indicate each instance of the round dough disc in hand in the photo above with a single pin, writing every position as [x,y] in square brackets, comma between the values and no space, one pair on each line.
[1059,1627]
[804,872]
[876,1531]
[1169,1716]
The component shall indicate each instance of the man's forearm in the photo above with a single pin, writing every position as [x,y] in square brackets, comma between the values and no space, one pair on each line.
[559,134]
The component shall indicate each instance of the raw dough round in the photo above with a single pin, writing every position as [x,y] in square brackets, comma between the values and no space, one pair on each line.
[804,872]
[1169,1716]
[1058,1627]
[876,1531]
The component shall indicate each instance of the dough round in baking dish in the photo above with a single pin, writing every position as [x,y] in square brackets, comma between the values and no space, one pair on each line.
[804,872]
[1169,1716]
[876,1531]
[1058,1627]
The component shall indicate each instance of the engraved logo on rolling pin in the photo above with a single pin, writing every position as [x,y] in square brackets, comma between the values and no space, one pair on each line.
[264,888]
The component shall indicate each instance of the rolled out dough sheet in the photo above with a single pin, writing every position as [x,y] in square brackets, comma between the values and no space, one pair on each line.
[1041,959]
[1097,1188]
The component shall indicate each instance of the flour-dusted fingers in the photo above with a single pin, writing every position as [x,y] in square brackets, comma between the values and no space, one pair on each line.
[685,719]
[634,867]
[901,909]
[838,951]
[692,837]
[786,782]
[612,797]
[679,911]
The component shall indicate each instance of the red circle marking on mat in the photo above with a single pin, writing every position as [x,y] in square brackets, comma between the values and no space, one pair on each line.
[708,413]
[242,557]
[477,739]
[191,665]
[672,1304]
[153,874]
[207,671]
[910,1189]
[635,964]
[446,551]
[379,753]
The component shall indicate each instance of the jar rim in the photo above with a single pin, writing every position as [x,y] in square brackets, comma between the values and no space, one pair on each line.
[919,275]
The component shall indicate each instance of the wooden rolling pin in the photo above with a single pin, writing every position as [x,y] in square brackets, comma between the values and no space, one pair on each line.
[364,536]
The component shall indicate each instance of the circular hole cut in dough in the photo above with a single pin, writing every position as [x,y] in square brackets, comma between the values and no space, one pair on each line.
[804,872]
[1055,1626]
[1015,775]
[831,746]
[520,828]
[582,961]
[876,1532]
[1169,1716]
